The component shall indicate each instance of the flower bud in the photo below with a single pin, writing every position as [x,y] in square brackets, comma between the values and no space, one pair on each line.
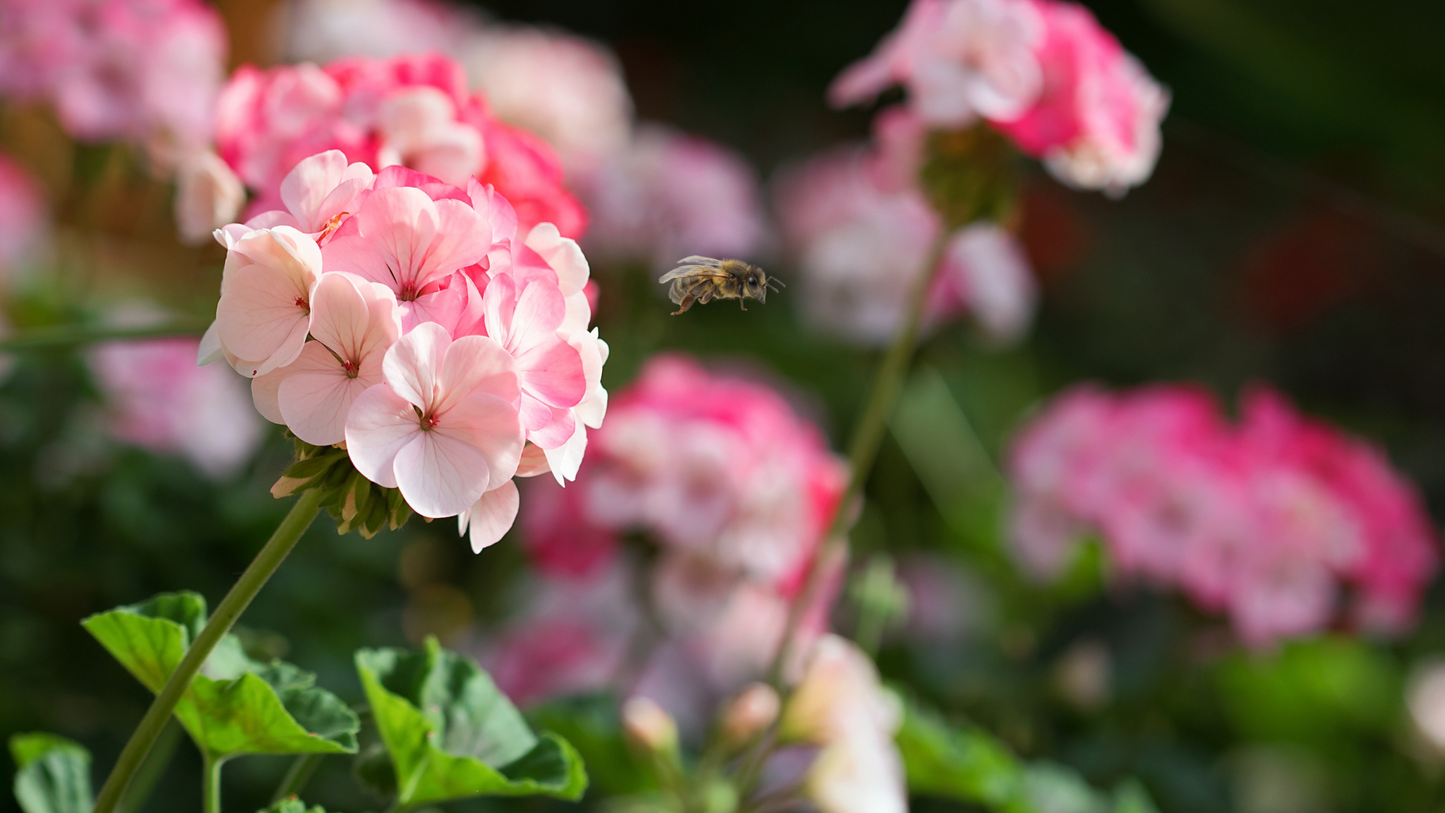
[749,713]
[648,726]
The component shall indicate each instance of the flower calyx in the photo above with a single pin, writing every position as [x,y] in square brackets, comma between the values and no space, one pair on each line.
[356,503]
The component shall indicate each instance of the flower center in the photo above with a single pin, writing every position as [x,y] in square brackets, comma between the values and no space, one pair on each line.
[428,421]
[408,292]
[302,304]
[351,368]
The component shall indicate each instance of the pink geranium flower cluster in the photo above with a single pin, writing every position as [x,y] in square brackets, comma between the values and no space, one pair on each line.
[412,111]
[414,321]
[735,488]
[1044,72]
[145,71]
[859,229]
[1282,522]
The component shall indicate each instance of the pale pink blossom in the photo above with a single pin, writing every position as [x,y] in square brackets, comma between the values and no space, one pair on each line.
[959,60]
[403,239]
[208,196]
[264,312]
[860,230]
[670,195]
[443,427]
[353,324]
[840,705]
[419,129]
[318,194]
[1273,522]
[156,398]
[24,219]
[1096,122]
[491,516]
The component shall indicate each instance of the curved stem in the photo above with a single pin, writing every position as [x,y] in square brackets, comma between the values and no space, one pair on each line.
[58,336]
[257,574]
[211,785]
[297,776]
[867,437]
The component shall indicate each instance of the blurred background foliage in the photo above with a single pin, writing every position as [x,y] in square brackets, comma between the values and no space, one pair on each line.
[1291,234]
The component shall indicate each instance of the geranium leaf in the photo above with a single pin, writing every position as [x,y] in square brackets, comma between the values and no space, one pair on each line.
[970,765]
[53,774]
[451,734]
[235,705]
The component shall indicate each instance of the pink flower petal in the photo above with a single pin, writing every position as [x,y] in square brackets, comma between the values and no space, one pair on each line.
[441,474]
[476,362]
[489,424]
[316,396]
[380,424]
[553,372]
[412,364]
[492,516]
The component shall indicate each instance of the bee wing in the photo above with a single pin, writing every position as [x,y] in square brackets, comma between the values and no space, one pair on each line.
[696,259]
[693,271]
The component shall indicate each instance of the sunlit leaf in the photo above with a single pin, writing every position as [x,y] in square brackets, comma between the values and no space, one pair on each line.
[235,705]
[52,774]
[451,734]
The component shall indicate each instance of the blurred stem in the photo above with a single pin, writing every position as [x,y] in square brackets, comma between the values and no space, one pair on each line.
[297,520]
[296,778]
[211,786]
[150,771]
[47,338]
[867,437]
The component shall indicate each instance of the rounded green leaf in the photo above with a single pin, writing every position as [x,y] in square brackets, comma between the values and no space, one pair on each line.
[451,734]
[53,774]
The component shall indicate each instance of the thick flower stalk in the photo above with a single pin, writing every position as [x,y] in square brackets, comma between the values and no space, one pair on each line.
[411,320]
[1281,522]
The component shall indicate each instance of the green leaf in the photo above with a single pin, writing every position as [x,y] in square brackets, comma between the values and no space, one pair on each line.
[968,764]
[235,705]
[53,775]
[593,726]
[451,734]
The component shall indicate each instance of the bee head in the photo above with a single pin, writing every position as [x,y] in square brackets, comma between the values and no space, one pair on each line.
[756,285]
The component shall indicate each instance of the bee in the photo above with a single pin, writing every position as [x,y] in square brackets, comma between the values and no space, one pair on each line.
[703,279]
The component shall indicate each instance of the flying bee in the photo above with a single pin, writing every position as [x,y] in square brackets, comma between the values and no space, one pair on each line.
[703,279]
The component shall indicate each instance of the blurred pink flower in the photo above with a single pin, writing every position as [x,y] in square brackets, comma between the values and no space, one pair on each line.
[1043,72]
[959,59]
[208,196]
[1272,522]
[145,71]
[570,637]
[156,398]
[24,216]
[566,89]
[670,195]
[410,110]
[1096,122]
[716,465]
[860,230]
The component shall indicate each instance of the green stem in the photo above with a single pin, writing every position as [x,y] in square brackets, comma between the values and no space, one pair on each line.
[150,771]
[211,786]
[867,437]
[257,574]
[59,336]
[296,778]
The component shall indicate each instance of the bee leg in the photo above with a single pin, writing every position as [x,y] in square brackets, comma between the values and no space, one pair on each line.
[741,305]
[684,304]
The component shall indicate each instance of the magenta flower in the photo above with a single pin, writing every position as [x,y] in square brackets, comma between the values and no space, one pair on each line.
[443,427]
